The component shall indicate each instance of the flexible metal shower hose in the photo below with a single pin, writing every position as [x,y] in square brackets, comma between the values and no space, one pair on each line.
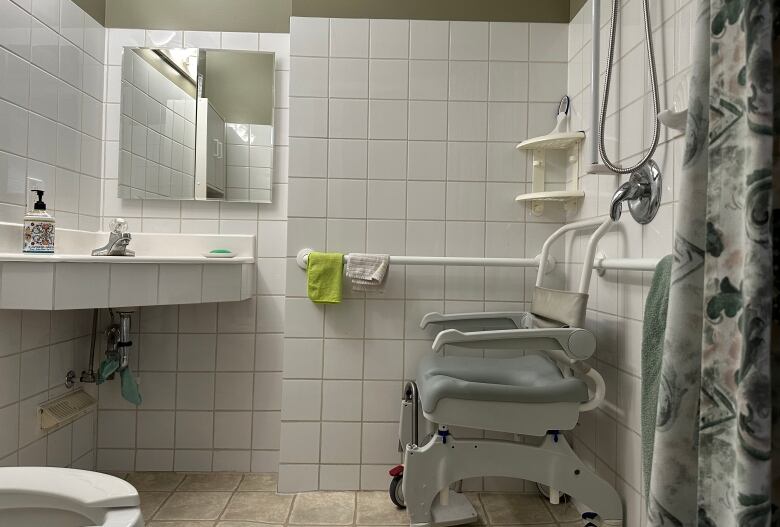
[608,78]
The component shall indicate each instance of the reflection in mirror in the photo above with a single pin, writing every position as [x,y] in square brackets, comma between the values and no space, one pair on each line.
[196,124]
[235,126]
[249,160]
[157,135]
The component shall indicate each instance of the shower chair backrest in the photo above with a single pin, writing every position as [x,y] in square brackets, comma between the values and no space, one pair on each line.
[567,307]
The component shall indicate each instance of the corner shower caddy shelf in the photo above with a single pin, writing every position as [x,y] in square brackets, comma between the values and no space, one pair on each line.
[559,152]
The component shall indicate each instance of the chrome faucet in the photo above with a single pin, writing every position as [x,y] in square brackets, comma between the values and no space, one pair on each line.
[118,240]
[642,191]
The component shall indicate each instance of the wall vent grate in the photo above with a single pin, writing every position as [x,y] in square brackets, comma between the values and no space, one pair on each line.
[65,409]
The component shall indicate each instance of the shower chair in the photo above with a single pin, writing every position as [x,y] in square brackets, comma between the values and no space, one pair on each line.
[537,396]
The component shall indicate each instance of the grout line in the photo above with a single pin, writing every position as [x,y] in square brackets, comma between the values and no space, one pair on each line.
[290,509]
[365,245]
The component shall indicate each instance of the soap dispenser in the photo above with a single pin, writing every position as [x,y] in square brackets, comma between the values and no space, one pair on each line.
[38,234]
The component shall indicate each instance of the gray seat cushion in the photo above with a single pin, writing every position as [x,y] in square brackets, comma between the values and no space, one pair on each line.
[528,379]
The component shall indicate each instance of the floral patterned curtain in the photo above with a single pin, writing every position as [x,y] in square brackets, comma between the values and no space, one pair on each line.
[712,462]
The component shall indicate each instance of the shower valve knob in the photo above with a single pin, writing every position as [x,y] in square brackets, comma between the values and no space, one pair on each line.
[70,379]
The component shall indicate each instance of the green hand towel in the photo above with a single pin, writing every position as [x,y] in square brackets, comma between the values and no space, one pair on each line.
[107,368]
[324,274]
[653,332]
[129,387]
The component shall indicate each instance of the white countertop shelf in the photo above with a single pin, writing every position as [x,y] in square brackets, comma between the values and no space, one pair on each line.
[88,259]
[560,141]
[167,269]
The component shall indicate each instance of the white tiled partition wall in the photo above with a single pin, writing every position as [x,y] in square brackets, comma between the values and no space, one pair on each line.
[51,125]
[402,137]
[210,374]
[51,129]
[609,438]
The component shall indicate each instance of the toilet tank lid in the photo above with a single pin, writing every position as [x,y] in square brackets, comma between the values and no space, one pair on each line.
[90,489]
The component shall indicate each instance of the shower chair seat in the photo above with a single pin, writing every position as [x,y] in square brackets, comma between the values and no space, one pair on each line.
[526,394]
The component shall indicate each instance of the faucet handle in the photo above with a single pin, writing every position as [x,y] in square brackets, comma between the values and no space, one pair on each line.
[642,191]
[118,225]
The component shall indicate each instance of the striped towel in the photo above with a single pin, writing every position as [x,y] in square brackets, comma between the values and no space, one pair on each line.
[367,271]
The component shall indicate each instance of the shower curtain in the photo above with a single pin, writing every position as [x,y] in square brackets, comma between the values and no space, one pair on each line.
[712,461]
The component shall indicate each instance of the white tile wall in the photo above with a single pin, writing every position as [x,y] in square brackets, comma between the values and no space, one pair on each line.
[402,137]
[39,348]
[51,107]
[51,128]
[210,374]
[609,438]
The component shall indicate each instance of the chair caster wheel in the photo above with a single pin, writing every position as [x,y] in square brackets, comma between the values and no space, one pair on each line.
[397,492]
[588,516]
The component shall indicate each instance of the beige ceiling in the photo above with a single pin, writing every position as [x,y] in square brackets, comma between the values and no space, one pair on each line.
[273,15]
[493,10]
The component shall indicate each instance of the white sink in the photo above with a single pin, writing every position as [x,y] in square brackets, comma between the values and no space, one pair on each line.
[167,269]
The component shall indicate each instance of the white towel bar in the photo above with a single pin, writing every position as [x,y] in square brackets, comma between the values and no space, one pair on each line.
[303,260]
[600,262]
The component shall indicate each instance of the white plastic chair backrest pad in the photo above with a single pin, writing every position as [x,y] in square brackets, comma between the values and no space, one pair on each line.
[566,307]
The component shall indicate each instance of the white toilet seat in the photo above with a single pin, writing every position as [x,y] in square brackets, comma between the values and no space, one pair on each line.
[105,500]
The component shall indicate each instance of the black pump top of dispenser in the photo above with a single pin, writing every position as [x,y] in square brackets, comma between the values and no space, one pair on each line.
[39,205]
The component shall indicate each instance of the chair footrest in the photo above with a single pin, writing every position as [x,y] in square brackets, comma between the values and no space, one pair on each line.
[458,511]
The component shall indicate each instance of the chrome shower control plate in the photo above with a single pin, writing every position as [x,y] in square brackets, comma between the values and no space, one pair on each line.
[644,208]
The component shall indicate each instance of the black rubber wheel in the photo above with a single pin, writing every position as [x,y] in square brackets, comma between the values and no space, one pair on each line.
[397,492]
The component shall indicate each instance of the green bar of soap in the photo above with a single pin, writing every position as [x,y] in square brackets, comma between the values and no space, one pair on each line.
[219,251]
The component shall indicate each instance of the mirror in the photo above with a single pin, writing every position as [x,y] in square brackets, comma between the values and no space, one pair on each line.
[196,124]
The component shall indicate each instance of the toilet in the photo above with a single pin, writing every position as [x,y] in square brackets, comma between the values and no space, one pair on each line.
[38,496]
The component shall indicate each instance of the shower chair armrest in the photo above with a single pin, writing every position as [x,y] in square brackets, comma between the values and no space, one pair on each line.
[480,321]
[566,345]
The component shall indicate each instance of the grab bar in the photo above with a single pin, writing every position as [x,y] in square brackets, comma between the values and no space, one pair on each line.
[600,262]
[303,260]
[602,227]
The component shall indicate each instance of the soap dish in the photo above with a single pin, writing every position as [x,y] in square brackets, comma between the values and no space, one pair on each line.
[219,253]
